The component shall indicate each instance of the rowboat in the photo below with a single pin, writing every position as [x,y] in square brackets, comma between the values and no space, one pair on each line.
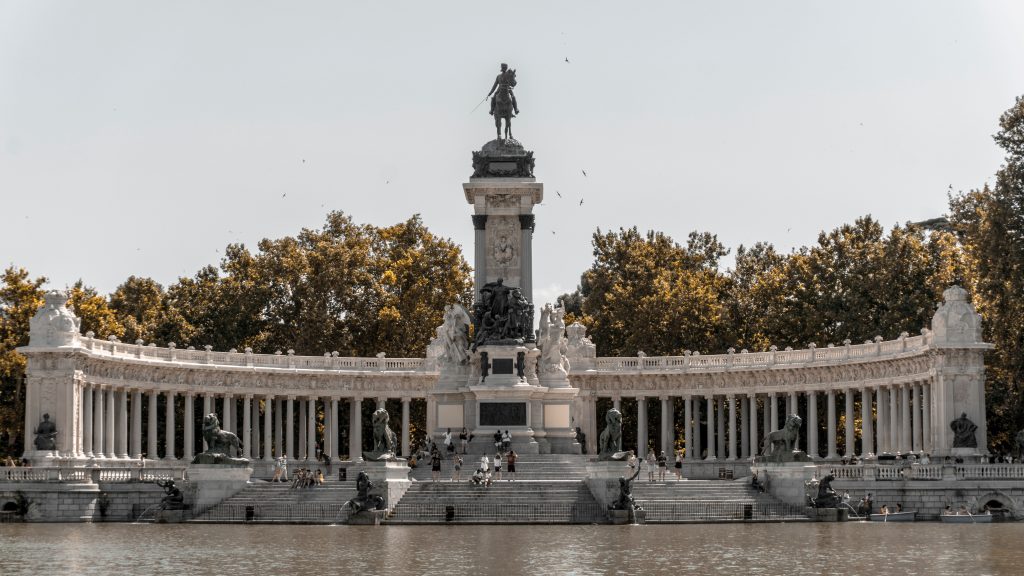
[966,518]
[895,517]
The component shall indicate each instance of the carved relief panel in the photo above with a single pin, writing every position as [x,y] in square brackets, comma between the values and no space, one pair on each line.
[503,249]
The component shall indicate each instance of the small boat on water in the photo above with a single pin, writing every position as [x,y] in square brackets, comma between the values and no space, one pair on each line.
[895,517]
[966,518]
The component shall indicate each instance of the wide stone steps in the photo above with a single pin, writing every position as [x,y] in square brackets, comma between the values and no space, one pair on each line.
[528,467]
[278,502]
[519,502]
[710,501]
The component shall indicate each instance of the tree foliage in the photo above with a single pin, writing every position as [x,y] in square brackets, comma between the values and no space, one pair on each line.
[20,297]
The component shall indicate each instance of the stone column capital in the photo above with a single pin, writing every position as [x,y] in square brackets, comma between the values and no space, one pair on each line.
[479,221]
[229,396]
[248,396]
[290,397]
[405,399]
[664,397]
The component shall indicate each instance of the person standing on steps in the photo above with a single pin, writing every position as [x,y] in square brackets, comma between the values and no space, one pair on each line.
[464,439]
[650,463]
[497,440]
[679,465]
[662,466]
[435,464]
[511,459]
[506,441]
[497,466]
[457,469]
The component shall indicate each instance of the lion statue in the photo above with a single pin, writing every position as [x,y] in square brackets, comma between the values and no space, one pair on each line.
[610,441]
[219,441]
[778,445]
[385,441]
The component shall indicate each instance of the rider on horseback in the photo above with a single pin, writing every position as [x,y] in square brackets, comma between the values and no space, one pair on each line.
[506,80]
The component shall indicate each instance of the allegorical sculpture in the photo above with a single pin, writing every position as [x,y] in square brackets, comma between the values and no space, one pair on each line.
[454,336]
[820,493]
[625,500]
[503,316]
[963,432]
[173,498]
[503,103]
[385,441]
[46,434]
[54,324]
[553,344]
[364,500]
[221,446]
[610,442]
[778,445]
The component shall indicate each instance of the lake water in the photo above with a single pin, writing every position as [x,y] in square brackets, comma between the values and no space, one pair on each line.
[741,549]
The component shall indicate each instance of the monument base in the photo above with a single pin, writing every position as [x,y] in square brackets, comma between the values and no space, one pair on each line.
[827,514]
[367,518]
[212,484]
[620,517]
[390,478]
[785,481]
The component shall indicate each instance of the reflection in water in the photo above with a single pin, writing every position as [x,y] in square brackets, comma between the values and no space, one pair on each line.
[852,548]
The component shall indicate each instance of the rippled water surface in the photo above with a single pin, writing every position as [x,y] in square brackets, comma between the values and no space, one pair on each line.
[743,549]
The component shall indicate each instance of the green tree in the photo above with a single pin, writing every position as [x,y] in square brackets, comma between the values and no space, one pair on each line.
[142,306]
[647,293]
[20,297]
[990,225]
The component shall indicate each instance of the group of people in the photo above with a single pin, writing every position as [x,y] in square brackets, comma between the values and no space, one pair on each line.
[656,465]
[306,478]
[12,463]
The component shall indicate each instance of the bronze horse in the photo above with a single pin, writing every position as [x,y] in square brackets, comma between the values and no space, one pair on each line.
[503,106]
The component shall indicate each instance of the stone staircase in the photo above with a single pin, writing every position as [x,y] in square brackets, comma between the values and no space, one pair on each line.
[528,467]
[710,501]
[276,502]
[505,502]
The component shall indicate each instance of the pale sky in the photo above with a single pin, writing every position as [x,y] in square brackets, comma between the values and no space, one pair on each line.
[139,138]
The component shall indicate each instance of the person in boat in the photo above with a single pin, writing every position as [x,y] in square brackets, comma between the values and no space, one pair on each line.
[948,511]
[884,510]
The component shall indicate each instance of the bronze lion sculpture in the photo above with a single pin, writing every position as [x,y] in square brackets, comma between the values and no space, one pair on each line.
[780,443]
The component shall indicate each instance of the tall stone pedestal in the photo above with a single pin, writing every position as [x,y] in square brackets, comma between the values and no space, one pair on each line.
[211,484]
[785,481]
[390,479]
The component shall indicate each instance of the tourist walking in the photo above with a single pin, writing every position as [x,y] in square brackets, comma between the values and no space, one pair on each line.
[506,441]
[449,446]
[510,459]
[497,440]
[485,464]
[662,466]
[679,465]
[435,465]
[457,469]
[464,439]
[650,463]
[497,466]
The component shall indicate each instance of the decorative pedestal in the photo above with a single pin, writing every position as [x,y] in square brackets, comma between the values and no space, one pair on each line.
[390,479]
[620,517]
[211,484]
[786,481]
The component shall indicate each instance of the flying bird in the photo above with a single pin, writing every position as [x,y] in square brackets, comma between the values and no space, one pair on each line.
[567,60]
[283,195]
[581,201]
[303,160]
[559,193]
[584,173]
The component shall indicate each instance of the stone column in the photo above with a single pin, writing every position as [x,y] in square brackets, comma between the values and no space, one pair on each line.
[335,448]
[247,426]
[641,427]
[905,417]
[278,427]
[917,447]
[87,431]
[592,437]
[254,433]
[98,426]
[311,428]
[122,423]
[867,435]
[268,427]
[405,427]
[136,450]
[744,428]
[711,429]
[667,425]
[526,224]
[187,426]
[151,435]
[688,427]
[755,443]
[831,406]
[732,427]
[926,416]
[793,407]
[720,429]
[894,424]
[289,429]
[848,393]
[812,424]
[432,418]
[697,432]
[355,434]
[207,409]
[766,427]
[303,428]
[617,403]
[169,448]
[479,265]
[882,416]
[110,421]
[775,410]
[225,405]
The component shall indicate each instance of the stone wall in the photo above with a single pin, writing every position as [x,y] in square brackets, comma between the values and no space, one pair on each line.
[67,502]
